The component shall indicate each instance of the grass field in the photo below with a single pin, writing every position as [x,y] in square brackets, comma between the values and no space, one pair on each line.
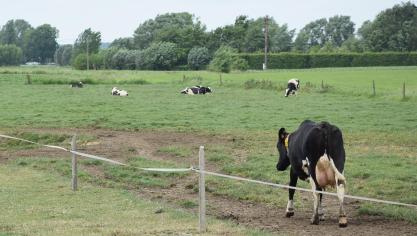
[379,131]
[40,203]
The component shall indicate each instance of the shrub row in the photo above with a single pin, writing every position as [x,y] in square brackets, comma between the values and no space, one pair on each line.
[297,60]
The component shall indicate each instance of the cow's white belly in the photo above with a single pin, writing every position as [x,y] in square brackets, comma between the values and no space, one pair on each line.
[325,174]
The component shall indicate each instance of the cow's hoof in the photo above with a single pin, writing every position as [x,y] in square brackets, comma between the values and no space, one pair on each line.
[342,221]
[288,214]
[315,220]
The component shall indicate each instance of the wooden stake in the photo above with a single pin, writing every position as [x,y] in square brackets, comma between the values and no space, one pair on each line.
[202,192]
[74,163]
[403,90]
[29,80]
[373,88]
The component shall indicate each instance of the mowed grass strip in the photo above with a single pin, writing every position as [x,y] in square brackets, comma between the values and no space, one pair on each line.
[41,203]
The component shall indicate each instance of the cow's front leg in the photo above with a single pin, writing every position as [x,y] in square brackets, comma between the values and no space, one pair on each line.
[341,195]
[290,206]
[321,210]
[315,219]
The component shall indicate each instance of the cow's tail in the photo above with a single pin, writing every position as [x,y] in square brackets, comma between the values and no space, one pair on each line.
[324,128]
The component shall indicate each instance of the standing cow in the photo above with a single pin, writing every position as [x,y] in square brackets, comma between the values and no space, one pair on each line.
[292,86]
[315,152]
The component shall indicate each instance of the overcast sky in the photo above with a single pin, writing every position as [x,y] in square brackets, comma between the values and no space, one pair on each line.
[120,18]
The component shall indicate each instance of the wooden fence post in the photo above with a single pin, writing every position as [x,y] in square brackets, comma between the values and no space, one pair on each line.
[322,84]
[403,90]
[202,192]
[28,79]
[373,87]
[74,163]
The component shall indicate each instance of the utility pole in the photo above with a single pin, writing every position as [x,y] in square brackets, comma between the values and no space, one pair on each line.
[88,61]
[266,42]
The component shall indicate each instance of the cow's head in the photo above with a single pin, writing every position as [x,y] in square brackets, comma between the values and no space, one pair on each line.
[209,90]
[184,91]
[283,161]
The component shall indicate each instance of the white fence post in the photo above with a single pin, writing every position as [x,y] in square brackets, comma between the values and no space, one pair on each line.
[74,163]
[202,192]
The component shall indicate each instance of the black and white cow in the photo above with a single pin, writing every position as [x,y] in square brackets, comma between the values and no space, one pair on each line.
[315,152]
[292,86]
[77,84]
[118,92]
[196,90]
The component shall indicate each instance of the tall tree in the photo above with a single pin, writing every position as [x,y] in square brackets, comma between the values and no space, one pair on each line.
[8,33]
[339,29]
[313,34]
[88,39]
[183,29]
[394,29]
[280,37]
[126,43]
[63,55]
[229,35]
[41,44]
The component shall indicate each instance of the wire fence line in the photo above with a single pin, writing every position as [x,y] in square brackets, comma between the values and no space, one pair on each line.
[202,171]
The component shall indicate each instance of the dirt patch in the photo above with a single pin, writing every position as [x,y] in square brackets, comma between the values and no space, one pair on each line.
[121,145]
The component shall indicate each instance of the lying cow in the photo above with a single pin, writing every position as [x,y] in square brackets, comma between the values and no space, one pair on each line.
[292,86]
[196,90]
[315,152]
[118,92]
[77,84]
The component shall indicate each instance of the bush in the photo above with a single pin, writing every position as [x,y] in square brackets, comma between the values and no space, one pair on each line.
[159,56]
[124,59]
[198,58]
[240,64]
[299,60]
[226,58]
[95,61]
[262,84]
[107,55]
[10,55]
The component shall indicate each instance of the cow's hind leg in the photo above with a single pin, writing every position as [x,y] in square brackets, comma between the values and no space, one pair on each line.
[341,194]
[340,186]
[290,206]
[315,219]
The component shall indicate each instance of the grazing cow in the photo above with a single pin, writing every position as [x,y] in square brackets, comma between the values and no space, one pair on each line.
[292,87]
[315,152]
[118,92]
[196,90]
[77,84]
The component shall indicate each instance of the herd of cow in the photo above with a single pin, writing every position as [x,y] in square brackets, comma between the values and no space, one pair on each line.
[314,152]
[292,86]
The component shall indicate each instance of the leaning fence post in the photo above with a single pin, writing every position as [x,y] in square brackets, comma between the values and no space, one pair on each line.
[403,90]
[74,163]
[202,192]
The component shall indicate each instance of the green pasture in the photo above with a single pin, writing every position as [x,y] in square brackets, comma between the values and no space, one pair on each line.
[41,203]
[379,131]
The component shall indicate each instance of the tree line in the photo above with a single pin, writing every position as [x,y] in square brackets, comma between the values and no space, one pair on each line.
[181,41]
